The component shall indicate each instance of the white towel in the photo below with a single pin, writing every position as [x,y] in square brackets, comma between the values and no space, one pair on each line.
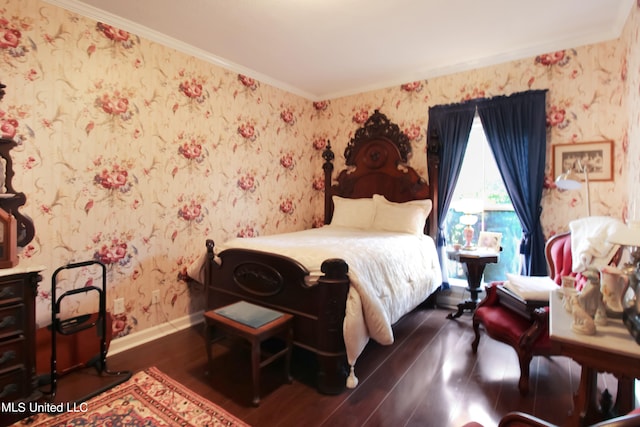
[589,244]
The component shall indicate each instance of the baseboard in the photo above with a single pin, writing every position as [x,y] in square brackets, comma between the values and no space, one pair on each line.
[133,340]
[446,298]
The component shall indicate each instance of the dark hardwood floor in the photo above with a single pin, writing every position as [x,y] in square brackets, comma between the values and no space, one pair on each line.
[429,377]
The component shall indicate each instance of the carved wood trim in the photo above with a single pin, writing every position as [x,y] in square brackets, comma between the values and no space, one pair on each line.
[378,126]
[25,226]
[376,159]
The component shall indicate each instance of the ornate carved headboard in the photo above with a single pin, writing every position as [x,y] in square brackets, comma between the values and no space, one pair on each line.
[377,163]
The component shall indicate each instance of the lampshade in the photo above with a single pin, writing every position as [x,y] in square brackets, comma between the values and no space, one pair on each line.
[468,206]
[628,236]
[468,219]
[568,181]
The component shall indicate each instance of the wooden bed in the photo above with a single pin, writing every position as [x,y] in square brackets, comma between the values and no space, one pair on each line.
[376,159]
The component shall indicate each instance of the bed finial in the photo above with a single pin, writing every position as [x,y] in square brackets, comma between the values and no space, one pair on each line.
[335,268]
[433,142]
[327,154]
[328,157]
[210,245]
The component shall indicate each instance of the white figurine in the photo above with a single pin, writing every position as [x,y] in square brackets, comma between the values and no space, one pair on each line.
[582,322]
[587,307]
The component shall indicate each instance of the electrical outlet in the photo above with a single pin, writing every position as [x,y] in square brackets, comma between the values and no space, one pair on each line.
[118,306]
[155,297]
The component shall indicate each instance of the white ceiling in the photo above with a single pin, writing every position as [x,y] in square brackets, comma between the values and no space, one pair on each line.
[323,49]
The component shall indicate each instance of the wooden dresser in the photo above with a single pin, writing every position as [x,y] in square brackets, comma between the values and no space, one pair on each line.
[18,381]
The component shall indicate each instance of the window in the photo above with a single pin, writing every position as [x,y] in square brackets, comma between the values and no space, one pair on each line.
[480,193]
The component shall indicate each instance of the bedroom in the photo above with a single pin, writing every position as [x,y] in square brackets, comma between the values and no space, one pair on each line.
[102,177]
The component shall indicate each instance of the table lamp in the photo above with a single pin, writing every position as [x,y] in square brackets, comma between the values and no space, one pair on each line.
[630,237]
[469,220]
[469,207]
[570,180]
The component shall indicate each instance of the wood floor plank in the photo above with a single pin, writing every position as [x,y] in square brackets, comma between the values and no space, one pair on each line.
[429,378]
[459,394]
[412,335]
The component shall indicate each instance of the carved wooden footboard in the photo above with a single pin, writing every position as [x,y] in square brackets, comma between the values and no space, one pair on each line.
[376,159]
[280,283]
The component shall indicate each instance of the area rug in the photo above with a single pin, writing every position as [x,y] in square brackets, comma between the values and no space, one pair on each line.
[149,398]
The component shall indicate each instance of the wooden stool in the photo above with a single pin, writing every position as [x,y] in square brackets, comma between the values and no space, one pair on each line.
[236,320]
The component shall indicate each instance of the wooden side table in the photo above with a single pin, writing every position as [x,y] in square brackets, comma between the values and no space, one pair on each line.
[473,264]
[611,349]
[255,324]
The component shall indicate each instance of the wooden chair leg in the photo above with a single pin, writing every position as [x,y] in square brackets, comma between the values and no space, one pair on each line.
[476,340]
[208,342]
[289,344]
[523,383]
[255,371]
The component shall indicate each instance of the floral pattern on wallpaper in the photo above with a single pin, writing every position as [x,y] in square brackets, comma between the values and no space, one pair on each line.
[133,154]
[631,72]
[589,99]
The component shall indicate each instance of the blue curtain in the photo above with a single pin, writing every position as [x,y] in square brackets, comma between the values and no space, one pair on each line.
[515,127]
[448,134]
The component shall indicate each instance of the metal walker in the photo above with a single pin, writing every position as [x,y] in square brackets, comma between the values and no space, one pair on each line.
[77,324]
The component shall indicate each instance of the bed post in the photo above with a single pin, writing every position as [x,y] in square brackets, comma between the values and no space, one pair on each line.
[433,166]
[332,357]
[208,272]
[328,157]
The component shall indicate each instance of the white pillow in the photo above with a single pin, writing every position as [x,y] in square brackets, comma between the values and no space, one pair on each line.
[353,213]
[408,217]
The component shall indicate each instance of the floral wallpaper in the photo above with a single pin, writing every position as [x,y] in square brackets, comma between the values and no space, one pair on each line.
[132,153]
[632,35]
[587,101]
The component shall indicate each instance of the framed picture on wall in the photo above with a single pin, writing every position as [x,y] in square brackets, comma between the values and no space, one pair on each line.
[595,157]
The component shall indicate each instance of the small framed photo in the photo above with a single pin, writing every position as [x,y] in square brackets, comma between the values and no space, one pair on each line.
[596,158]
[489,241]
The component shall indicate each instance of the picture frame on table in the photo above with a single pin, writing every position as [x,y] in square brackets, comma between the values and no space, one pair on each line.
[489,241]
[596,157]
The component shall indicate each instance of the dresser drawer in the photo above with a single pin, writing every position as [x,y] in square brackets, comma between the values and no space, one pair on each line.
[14,385]
[12,291]
[12,353]
[12,321]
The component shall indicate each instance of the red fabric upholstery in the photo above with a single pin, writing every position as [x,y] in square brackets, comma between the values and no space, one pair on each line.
[559,257]
[527,337]
[510,325]
[560,260]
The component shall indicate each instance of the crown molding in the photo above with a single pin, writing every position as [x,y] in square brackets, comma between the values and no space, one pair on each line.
[100,15]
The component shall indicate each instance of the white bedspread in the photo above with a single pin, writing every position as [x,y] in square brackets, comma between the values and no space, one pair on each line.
[390,274]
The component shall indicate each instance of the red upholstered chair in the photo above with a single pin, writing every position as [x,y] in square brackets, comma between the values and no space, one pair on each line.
[528,335]
[526,330]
